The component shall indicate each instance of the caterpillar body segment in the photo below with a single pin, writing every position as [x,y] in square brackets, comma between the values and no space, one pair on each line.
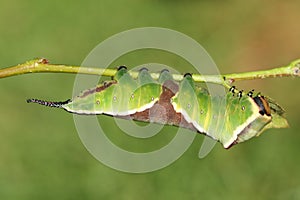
[228,119]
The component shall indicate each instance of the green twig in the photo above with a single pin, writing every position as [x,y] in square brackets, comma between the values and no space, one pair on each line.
[42,66]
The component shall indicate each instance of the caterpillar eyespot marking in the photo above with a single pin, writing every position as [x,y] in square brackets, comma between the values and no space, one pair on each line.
[187,105]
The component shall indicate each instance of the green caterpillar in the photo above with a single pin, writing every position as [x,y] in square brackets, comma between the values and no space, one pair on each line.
[232,119]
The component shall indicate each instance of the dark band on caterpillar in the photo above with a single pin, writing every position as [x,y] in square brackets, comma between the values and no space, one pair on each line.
[164,70]
[187,74]
[263,105]
[49,103]
[122,67]
[144,69]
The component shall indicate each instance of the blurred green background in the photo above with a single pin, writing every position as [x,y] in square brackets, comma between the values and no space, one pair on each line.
[41,155]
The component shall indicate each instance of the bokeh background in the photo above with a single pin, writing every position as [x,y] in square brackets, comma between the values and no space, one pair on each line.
[41,155]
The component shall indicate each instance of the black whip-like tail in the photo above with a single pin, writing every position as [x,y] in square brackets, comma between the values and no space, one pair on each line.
[48,103]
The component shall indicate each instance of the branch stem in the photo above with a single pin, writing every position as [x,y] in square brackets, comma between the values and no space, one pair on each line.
[43,66]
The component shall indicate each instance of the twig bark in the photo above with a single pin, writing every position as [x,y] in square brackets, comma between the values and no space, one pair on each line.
[43,66]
